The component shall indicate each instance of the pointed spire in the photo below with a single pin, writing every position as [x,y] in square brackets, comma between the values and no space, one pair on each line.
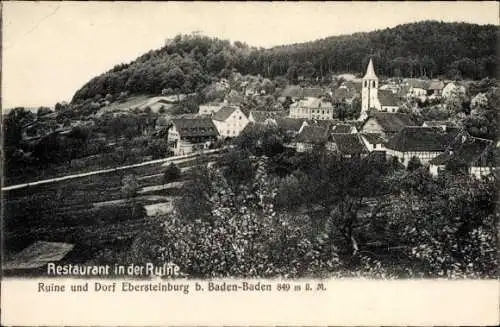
[370,72]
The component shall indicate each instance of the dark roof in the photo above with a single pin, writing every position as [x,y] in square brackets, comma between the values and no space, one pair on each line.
[418,83]
[342,129]
[356,123]
[223,113]
[421,139]
[393,122]
[289,124]
[387,98]
[373,138]
[313,134]
[357,86]
[474,152]
[262,116]
[188,127]
[293,91]
[324,123]
[313,92]
[348,143]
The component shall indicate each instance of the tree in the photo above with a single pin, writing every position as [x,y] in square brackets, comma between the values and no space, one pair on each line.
[171,174]
[43,111]
[13,125]
[448,227]
[129,189]
[414,163]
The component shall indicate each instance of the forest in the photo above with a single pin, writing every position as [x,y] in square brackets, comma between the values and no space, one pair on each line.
[189,62]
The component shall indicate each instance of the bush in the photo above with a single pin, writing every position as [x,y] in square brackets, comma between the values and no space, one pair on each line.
[172,173]
[414,164]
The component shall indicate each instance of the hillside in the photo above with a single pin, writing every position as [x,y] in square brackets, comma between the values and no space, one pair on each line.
[188,63]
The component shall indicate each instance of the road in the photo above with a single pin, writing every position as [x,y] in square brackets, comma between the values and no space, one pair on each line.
[175,159]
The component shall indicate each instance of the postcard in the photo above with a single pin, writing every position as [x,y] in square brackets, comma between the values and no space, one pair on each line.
[250,163]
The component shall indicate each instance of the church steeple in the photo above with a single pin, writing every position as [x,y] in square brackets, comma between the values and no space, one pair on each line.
[369,92]
[370,72]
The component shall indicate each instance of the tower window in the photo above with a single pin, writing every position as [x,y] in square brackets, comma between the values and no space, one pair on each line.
[366,84]
[373,84]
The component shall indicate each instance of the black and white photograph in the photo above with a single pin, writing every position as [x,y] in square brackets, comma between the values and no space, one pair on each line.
[202,141]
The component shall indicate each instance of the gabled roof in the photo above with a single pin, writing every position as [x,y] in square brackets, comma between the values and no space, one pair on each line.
[209,108]
[342,129]
[348,143]
[373,138]
[417,83]
[223,113]
[387,98]
[313,134]
[325,123]
[370,71]
[393,122]
[474,152]
[312,102]
[262,116]
[289,124]
[422,139]
[189,127]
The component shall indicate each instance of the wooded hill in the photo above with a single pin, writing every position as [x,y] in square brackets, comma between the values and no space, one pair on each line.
[189,62]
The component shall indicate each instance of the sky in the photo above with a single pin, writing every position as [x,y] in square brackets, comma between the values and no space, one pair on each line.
[50,49]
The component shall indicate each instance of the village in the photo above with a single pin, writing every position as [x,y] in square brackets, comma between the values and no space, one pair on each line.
[360,116]
[345,169]
[381,126]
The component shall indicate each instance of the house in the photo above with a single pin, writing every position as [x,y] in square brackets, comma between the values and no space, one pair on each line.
[373,141]
[443,124]
[290,126]
[191,134]
[230,121]
[311,136]
[312,108]
[265,117]
[387,101]
[344,129]
[477,154]
[292,91]
[435,88]
[209,109]
[347,145]
[393,88]
[387,124]
[417,88]
[416,92]
[425,143]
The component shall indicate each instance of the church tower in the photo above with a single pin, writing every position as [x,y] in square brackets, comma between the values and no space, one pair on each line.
[369,93]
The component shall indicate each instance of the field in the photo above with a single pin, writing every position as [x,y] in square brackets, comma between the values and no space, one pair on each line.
[89,212]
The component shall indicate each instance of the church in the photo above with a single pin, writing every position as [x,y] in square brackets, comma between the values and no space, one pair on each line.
[372,97]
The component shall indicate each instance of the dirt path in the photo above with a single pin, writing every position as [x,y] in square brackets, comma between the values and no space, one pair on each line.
[176,159]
